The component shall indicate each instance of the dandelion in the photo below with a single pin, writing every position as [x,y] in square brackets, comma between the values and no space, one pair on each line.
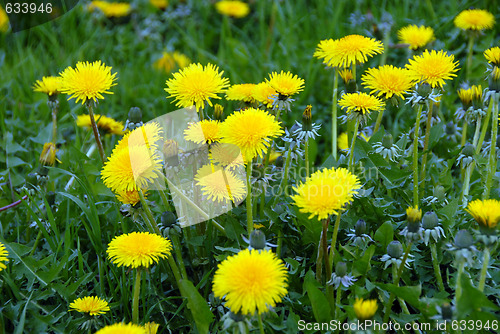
[433,67]
[122,328]
[87,81]
[138,249]
[160,4]
[48,85]
[129,197]
[169,61]
[416,37]
[285,84]
[227,155]
[388,81]
[203,132]
[243,92]
[349,50]
[91,305]
[3,256]
[219,185]
[233,8]
[264,93]
[492,55]
[151,328]
[360,104]
[326,192]
[111,9]
[413,214]
[474,19]
[149,134]
[251,130]
[343,142]
[131,168]
[365,309]
[48,155]
[485,212]
[106,124]
[4,21]
[250,281]
[196,85]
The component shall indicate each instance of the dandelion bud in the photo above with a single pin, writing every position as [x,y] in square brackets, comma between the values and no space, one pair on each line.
[494,80]
[306,119]
[168,218]
[395,249]
[48,155]
[279,162]
[218,112]
[446,312]
[430,220]
[450,128]
[360,227]
[171,152]
[424,90]
[414,214]
[468,150]
[340,269]
[349,81]
[387,141]
[439,193]
[257,239]
[477,96]
[463,239]
[135,115]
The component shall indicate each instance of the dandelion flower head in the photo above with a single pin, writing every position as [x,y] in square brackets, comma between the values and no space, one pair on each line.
[433,67]
[233,8]
[365,309]
[388,81]
[416,36]
[219,185]
[242,92]
[106,124]
[285,84]
[48,85]
[485,212]
[492,55]
[3,256]
[122,328]
[474,19]
[250,281]
[206,131]
[91,305]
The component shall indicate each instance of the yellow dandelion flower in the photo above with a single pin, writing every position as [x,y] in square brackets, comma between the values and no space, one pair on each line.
[233,8]
[485,212]
[492,55]
[4,20]
[365,309]
[196,85]
[122,328]
[48,155]
[111,9]
[203,132]
[360,103]
[131,168]
[433,67]
[150,134]
[273,156]
[465,95]
[160,4]
[227,155]
[257,226]
[87,81]
[169,61]
[91,305]
[474,19]
[250,281]
[416,36]
[251,130]
[151,327]
[326,192]
[3,256]
[388,81]
[220,185]
[48,85]
[343,141]
[349,50]
[107,124]
[413,214]
[264,94]
[130,196]
[346,75]
[243,92]
[286,84]
[138,249]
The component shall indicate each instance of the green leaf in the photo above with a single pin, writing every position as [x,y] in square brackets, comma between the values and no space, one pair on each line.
[384,234]
[202,315]
[410,294]
[362,265]
[319,303]
[20,325]
[471,300]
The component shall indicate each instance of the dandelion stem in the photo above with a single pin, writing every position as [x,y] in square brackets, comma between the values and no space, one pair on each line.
[435,264]
[96,131]
[431,9]
[249,199]
[470,49]
[137,291]
[486,260]
[484,129]
[415,155]
[261,326]
[175,270]
[333,245]
[430,105]
[492,163]
[280,241]
[390,301]
[284,180]
[178,254]
[337,301]
[458,288]
[153,226]
[319,258]
[306,152]
[334,112]
[378,121]
[351,150]
[54,122]
[328,267]
[470,168]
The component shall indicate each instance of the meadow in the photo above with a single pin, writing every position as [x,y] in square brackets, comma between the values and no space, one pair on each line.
[364,186]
